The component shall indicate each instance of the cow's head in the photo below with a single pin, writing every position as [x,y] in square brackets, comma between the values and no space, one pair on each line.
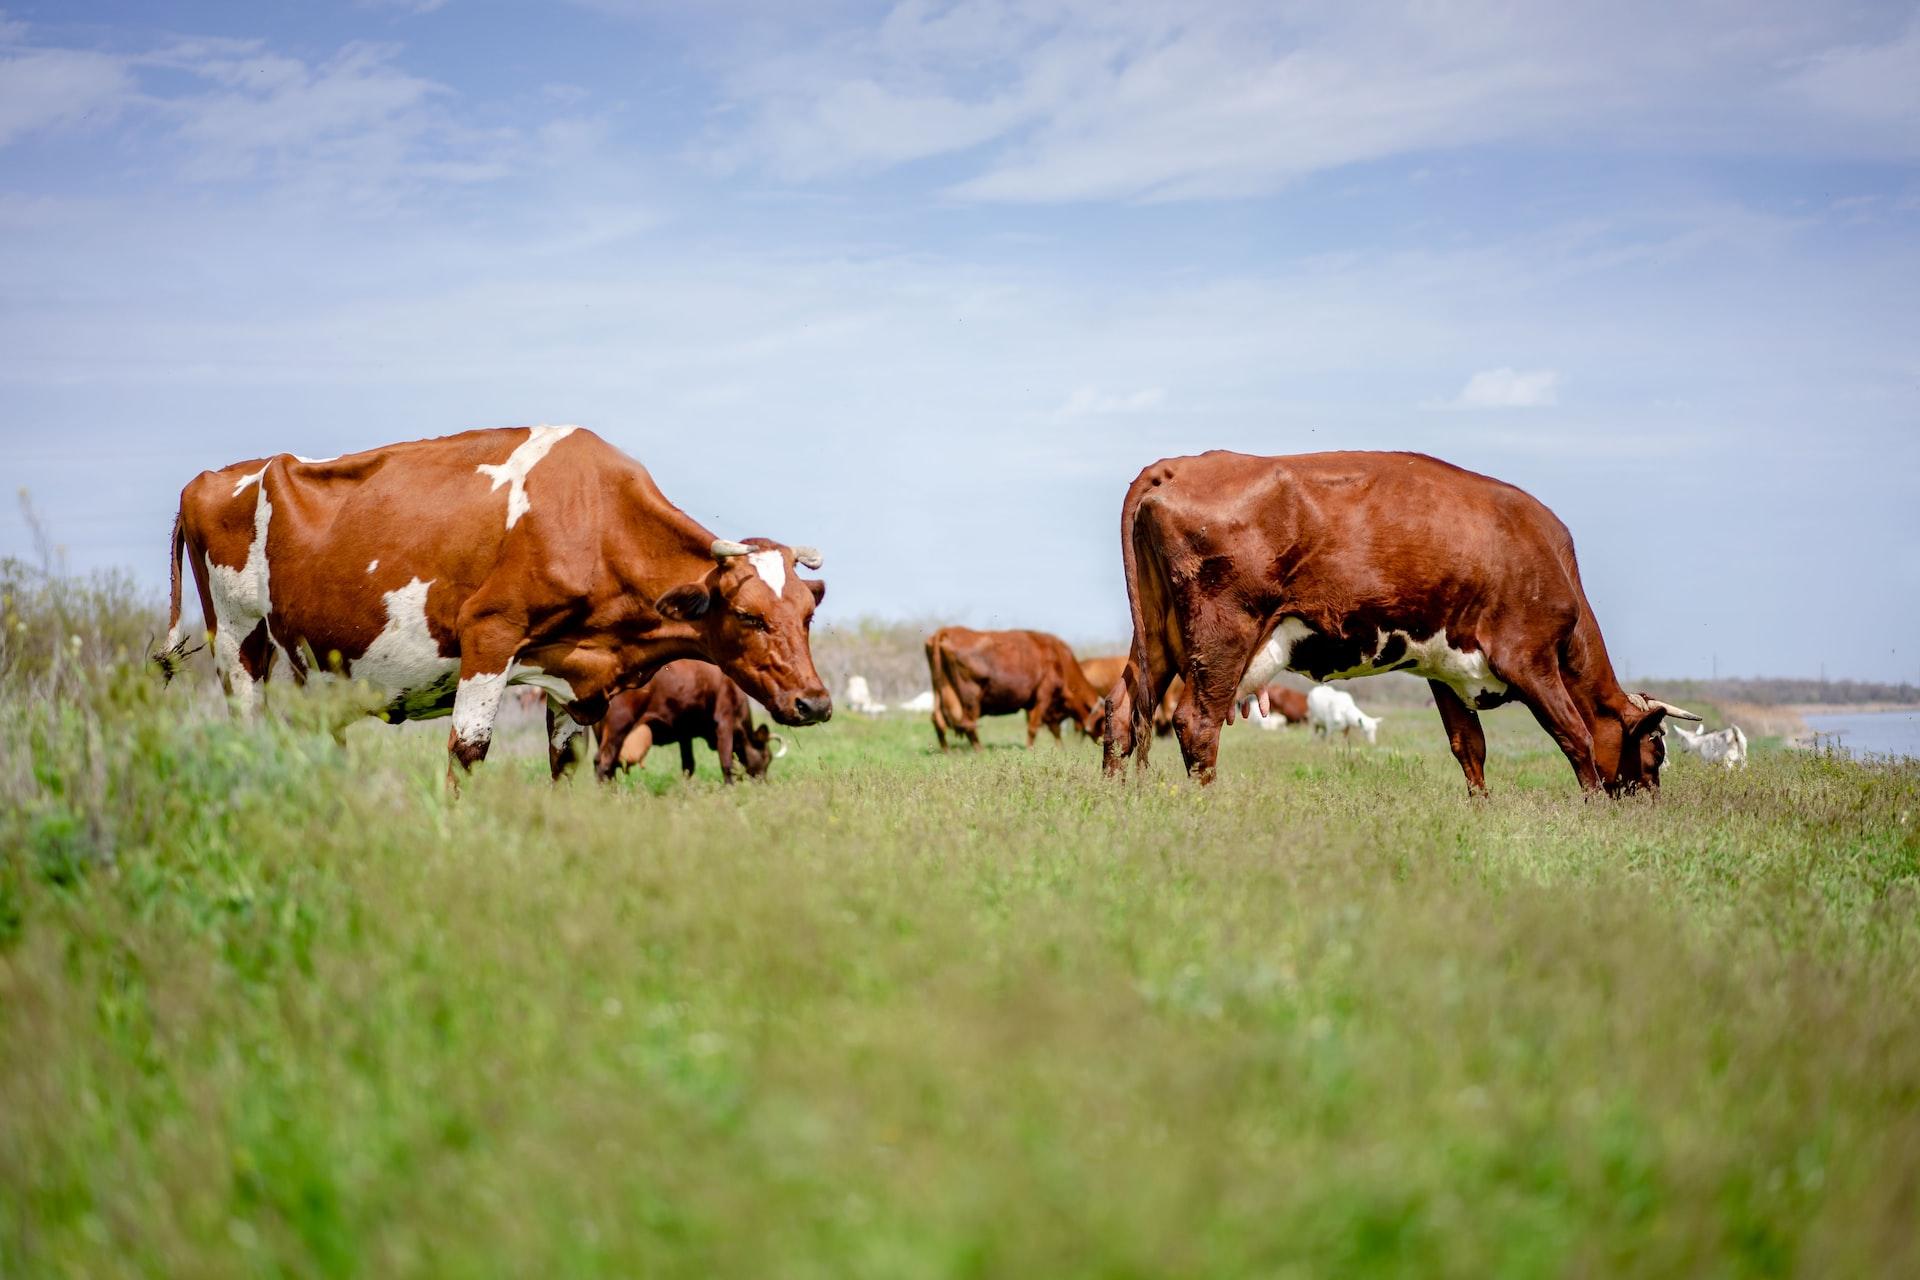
[751,614]
[758,751]
[1643,747]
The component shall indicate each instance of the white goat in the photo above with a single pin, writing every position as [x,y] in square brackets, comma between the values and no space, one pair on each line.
[861,699]
[1330,709]
[1726,748]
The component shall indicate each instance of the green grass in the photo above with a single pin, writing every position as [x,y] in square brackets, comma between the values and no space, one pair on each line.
[273,1006]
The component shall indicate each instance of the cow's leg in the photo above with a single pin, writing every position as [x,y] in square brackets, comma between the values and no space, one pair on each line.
[686,756]
[564,746]
[1053,727]
[1546,696]
[242,655]
[633,750]
[607,755]
[1464,735]
[1036,716]
[723,747]
[1228,638]
[487,646]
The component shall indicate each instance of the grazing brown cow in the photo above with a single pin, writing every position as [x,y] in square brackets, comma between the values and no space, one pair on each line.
[992,673]
[442,571]
[1335,565]
[685,702]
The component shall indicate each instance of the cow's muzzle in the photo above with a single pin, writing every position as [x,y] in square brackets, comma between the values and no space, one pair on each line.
[809,708]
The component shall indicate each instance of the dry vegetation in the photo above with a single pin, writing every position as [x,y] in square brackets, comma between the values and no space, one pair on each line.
[271,1005]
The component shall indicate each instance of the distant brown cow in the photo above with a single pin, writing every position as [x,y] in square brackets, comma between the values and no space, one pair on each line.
[1103,673]
[1335,565]
[992,673]
[442,571]
[1289,704]
[688,701]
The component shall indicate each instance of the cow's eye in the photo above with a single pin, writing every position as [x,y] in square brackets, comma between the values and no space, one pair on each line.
[752,621]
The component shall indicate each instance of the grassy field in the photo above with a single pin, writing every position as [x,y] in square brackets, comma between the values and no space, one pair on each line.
[269,1005]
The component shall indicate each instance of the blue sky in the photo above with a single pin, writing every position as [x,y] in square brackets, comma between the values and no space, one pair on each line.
[927,283]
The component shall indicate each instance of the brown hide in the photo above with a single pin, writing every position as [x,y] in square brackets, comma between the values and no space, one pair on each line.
[686,702]
[991,673]
[1101,673]
[440,570]
[1289,704]
[1354,561]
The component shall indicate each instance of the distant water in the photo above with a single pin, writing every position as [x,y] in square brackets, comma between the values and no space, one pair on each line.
[1872,733]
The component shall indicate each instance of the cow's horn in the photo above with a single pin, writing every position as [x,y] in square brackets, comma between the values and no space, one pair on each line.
[808,556]
[722,549]
[783,745]
[1645,703]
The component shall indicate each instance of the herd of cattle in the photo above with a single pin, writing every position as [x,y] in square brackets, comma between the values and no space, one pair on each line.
[442,572]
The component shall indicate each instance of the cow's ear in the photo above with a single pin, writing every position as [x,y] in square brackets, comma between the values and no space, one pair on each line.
[818,588]
[685,603]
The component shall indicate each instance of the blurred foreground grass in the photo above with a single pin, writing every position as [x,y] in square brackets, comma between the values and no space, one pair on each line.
[273,1006]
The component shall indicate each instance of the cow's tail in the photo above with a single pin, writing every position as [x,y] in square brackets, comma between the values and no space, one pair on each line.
[937,677]
[171,659]
[947,704]
[1129,728]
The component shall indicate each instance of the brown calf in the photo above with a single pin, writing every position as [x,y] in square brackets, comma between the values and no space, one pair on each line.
[686,702]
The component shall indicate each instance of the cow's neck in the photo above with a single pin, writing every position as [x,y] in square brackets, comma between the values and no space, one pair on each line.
[656,547]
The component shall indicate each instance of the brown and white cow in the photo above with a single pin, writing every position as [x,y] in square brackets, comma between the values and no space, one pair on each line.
[442,571]
[1335,565]
[992,673]
[686,702]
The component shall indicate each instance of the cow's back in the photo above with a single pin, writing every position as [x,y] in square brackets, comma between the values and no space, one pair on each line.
[402,537]
[1005,667]
[1374,537]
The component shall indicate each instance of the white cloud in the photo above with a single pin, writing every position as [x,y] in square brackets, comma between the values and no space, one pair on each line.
[56,88]
[1090,401]
[1876,85]
[1505,388]
[356,124]
[1062,100]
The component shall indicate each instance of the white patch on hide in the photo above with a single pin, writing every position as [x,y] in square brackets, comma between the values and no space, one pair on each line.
[1466,673]
[513,472]
[475,703]
[563,730]
[771,567]
[1273,657]
[553,686]
[241,600]
[247,480]
[404,656]
[372,565]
